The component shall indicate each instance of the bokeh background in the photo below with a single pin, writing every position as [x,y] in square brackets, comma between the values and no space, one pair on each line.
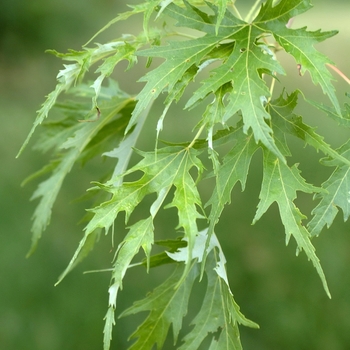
[274,288]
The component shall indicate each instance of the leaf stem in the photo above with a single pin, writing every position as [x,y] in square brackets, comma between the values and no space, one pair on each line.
[196,137]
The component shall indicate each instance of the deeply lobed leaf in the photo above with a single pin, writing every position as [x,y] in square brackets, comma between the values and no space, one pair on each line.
[234,57]
[280,183]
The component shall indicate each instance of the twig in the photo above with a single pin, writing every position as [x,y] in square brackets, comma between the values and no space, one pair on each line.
[339,72]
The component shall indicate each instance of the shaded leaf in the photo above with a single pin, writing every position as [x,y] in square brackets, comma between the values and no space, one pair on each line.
[167,305]
[286,122]
[68,153]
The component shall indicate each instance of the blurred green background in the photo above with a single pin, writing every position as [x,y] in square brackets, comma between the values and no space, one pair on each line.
[274,288]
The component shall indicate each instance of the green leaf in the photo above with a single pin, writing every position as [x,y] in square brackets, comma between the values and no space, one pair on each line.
[299,42]
[124,51]
[162,169]
[280,183]
[167,305]
[187,199]
[140,235]
[73,73]
[242,69]
[336,194]
[179,56]
[107,331]
[222,5]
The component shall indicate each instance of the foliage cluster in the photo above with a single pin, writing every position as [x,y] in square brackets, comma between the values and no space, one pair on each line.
[236,61]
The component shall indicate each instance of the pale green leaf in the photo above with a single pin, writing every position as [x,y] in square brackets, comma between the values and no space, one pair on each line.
[222,5]
[107,331]
[140,235]
[161,169]
[136,9]
[180,57]
[187,199]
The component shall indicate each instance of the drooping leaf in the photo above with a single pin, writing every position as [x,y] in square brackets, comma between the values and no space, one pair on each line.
[69,153]
[140,235]
[111,52]
[43,113]
[107,331]
[280,183]
[234,168]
